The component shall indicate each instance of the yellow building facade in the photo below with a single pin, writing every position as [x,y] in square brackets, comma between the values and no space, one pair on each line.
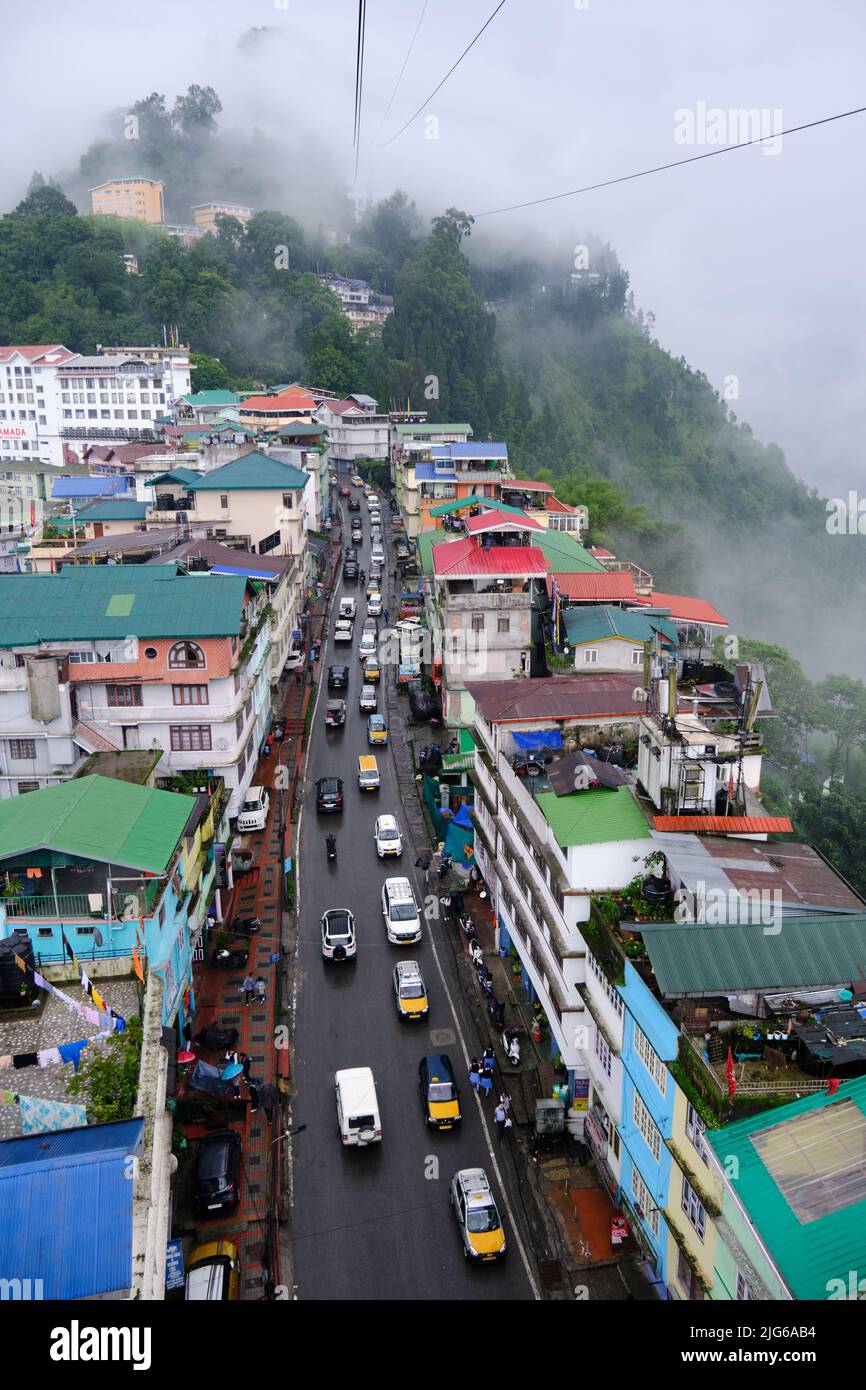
[140,199]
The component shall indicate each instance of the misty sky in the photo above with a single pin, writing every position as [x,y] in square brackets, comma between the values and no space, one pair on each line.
[752,263]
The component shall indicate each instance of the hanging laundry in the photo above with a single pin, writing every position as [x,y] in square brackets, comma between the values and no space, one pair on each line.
[49,1057]
[26,1059]
[39,1115]
[71,1052]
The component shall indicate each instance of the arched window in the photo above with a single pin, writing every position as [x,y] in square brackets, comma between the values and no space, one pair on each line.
[186,656]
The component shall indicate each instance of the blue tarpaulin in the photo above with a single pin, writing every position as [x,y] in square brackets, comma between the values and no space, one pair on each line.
[547,738]
[462,818]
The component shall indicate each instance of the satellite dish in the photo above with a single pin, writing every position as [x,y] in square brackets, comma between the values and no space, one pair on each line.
[98,937]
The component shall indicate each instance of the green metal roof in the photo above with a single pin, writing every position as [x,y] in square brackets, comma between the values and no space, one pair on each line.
[252,472]
[301,430]
[593,817]
[97,818]
[809,1253]
[425,542]
[204,398]
[701,958]
[174,475]
[602,622]
[459,504]
[114,509]
[87,602]
[564,554]
[409,431]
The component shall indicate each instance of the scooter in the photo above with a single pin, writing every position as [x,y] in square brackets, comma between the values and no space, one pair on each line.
[496,1013]
[331,846]
[231,959]
[511,1046]
[444,865]
[475,952]
[485,979]
[467,926]
[245,926]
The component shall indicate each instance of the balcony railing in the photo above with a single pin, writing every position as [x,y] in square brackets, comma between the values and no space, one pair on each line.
[67,906]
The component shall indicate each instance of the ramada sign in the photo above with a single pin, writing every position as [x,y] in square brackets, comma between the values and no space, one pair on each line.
[13,432]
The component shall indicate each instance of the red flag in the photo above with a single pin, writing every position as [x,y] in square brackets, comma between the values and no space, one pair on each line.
[833,1086]
[729,1073]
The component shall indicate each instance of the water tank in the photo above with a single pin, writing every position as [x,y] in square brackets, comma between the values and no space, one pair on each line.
[11,978]
[43,689]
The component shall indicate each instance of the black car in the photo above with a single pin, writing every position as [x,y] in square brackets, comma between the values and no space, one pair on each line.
[338,677]
[354,504]
[350,570]
[329,794]
[439,1094]
[351,556]
[218,1172]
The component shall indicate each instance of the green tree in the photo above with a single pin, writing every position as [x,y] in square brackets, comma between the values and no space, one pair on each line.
[107,1077]
[842,711]
[196,112]
[207,374]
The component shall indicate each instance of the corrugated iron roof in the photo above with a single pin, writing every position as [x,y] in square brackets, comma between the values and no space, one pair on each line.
[497,517]
[253,472]
[593,817]
[66,1208]
[726,825]
[467,558]
[809,1253]
[97,818]
[566,556]
[725,958]
[583,696]
[600,587]
[115,509]
[603,622]
[688,610]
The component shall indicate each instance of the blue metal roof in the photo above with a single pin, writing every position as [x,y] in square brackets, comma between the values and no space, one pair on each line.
[477,450]
[107,486]
[427,473]
[66,1209]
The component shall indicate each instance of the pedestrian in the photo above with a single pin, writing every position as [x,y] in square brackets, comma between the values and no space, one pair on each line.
[247,1063]
[396,574]
[499,1118]
[230,1059]
[299,677]
[507,1127]
[475,1073]
[505,1102]
[254,1096]
[486,1084]
[385,616]
[261,989]
[249,989]
[487,1061]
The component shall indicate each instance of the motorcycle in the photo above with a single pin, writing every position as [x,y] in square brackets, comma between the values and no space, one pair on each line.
[245,926]
[511,1046]
[496,1013]
[485,979]
[331,846]
[444,865]
[467,926]
[232,959]
[475,952]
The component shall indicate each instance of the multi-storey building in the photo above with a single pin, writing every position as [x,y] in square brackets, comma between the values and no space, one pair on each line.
[294,405]
[360,304]
[356,431]
[205,214]
[261,501]
[139,198]
[99,658]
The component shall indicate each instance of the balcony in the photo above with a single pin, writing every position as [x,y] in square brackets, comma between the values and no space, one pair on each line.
[493,600]
[90,906]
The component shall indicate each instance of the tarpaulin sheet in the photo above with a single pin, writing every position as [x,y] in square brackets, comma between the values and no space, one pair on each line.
[547,738]
[459,842]
[205,1077]
[433,798]
[462,818]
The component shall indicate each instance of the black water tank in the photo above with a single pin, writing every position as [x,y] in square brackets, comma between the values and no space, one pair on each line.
[656,891]
[11,978]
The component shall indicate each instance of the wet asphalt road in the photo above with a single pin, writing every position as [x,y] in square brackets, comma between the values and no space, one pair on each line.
[373,1223]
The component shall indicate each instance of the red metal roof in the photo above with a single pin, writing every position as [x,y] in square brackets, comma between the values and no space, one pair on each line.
[36,353]
[553,504]
[494,521]
[596,588]
[584,696]
[286,400]
[688,610]
[521,485]
[456,559]
[343,407]
[600,553]
[730,825]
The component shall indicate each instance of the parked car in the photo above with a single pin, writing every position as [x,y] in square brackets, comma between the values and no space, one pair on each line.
[386,833]
[253,815]
[439,1094]
[213,1272]
[410,992]
[329,794]
[369,700]
[338,677]
[335,714]
[477,1216]
[338,934]
[218,1172]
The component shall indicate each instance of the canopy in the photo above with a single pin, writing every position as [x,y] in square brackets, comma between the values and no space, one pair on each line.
[205,1077]
[546,738]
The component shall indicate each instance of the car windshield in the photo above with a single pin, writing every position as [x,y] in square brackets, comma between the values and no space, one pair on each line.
[480,1219]
[403,912]
[441,1091]
[251,803]
[388,832]
[412,989]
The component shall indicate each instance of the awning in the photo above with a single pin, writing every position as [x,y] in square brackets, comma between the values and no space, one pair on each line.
[546,738]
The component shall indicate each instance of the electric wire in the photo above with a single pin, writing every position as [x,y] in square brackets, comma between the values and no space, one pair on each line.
[400,75]
[391,138]
[674,164]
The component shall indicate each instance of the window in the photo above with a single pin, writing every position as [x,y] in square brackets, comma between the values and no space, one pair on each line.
[224,501]
[477,622]
[650,1058]
[189,694]
[22,748]
[503,624]
[643,1199]
[694,1129]
[636,656]
[288,501]
[602,1051]
[151,653]
[120,695]
[189,739]
[24,787]
[693,1208]
[186,656]
[81,658]
[590,656]
[744,1293]
[646,1126]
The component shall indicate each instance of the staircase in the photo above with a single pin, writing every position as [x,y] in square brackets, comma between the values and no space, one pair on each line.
[91,739]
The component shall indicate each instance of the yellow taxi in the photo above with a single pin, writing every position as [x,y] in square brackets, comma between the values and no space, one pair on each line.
[410,992]
[372,671]
[213,1272]
[477,1216]
[377,729]
[439,1095]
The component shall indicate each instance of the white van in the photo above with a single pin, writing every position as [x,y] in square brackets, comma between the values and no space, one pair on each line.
[357,1107]
[253,814]
[348,608]
[400,910]
[377,555]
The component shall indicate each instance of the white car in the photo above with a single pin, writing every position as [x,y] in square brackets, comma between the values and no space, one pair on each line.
[343,629]
[408,625]
[374,605]
[377,555]
[348,607]
[389,842]
[369,700]
[338,934]
[367,645]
